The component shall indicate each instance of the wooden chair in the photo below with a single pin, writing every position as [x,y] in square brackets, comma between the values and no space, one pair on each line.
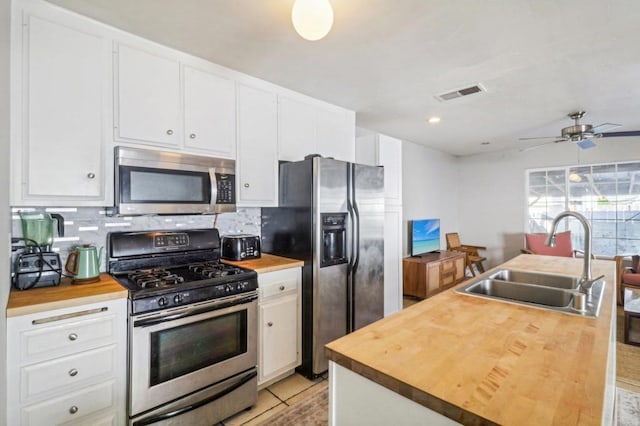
[535,244]
[626,277]
[471,252]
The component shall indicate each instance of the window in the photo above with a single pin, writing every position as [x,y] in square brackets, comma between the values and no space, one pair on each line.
[608,195]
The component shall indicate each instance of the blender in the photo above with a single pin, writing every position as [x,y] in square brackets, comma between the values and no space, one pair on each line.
[38,265]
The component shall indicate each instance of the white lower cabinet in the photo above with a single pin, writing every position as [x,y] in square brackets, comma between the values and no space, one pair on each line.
[279,324]
[68,366]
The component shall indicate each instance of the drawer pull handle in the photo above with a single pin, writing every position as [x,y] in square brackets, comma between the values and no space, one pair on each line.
[73,409]
[270,324]
[73,372]
[67,316]
[91,175]
[246,185]
[192,136]
[73,336]
[281,288]
[169,132]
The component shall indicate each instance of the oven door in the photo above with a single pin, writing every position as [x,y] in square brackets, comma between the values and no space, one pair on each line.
[177,352]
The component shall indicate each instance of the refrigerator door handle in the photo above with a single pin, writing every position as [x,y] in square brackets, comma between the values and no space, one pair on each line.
[353,243]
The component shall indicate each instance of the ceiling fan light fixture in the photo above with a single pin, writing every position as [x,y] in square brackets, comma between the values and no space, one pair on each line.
[312,19]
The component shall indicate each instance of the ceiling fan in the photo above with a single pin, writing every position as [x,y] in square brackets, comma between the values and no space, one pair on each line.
[582,134]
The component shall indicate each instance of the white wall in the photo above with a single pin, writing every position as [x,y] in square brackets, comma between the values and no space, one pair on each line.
[492,203]
[430,189]
[5,13]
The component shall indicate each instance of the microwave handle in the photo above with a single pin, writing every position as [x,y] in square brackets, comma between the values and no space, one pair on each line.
[214,188]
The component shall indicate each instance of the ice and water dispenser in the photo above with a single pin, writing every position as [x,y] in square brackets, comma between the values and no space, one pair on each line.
[334,239]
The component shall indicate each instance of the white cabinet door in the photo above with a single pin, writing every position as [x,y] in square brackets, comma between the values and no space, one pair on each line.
[392,259]
[278,320]
[209,113]
[58,146]
[390,156]
[296,130]
[257,160]
[335,134]
[148,97]
[381,150]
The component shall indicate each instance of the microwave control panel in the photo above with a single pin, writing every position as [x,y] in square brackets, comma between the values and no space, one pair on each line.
[226,188]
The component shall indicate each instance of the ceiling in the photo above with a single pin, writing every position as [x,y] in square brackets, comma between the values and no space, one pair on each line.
[539,60]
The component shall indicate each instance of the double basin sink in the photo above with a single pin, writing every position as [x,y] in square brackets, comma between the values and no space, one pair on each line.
[542,290]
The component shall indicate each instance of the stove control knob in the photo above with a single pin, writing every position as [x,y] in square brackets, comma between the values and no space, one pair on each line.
[162,301]
[228,288]
[177,298]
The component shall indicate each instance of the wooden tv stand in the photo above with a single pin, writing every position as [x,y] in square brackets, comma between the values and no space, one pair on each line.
[432,273]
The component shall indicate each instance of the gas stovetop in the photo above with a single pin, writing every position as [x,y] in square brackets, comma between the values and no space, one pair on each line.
[166,269]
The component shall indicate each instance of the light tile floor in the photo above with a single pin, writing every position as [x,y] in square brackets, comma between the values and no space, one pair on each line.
[276,398]
[284,393]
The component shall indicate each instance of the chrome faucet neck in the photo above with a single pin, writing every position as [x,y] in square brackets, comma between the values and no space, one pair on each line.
[585,280]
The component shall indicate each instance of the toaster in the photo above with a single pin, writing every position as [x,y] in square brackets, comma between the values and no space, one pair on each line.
[240,247]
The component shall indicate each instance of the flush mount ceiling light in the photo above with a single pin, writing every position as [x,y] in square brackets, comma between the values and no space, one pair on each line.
[433,120]
[312,19]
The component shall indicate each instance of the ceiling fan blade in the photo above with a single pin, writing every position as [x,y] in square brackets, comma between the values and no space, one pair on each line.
[586,144]
[539,137]
[604,127]
[621,134]
[529,148]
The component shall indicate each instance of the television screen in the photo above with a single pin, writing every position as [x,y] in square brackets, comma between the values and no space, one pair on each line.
[425,236]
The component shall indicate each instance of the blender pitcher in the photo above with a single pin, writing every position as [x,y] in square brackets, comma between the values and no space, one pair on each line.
[37,229]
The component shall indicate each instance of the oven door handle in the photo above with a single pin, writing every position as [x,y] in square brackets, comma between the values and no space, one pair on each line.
[194,311]
[186,409]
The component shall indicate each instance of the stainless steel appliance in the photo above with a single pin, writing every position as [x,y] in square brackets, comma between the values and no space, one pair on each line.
[37,265]
[157,182]
[240,247]
[192,327]
[331,216]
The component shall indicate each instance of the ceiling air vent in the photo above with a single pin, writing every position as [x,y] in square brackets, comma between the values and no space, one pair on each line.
[461,92]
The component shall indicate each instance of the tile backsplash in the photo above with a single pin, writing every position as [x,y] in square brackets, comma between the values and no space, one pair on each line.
[87,225]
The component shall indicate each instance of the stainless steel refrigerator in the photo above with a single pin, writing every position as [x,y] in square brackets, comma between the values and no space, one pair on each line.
[331,216]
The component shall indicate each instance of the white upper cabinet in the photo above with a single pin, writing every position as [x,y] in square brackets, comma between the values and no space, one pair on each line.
[305,129]
[148,97]
[209,112]
[296,130]
[158,105]
[257,163]
[335,133]
[381,150]
[60,89]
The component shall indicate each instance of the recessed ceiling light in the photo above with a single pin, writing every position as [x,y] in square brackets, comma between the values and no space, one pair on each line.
[485,143]
[433,120]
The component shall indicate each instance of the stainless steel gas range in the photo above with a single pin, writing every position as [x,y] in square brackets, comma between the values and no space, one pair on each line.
[192,327]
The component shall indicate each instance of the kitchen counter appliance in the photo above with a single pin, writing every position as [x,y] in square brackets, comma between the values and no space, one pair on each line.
[38,265]
[159,182]
[331,216]
[192,327]
[240,247]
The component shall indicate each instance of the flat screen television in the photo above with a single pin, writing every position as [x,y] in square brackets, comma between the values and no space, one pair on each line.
[424,236]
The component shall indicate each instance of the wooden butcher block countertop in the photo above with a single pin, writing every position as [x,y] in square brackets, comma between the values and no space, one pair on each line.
[482,361]
[66,295]
[267,263]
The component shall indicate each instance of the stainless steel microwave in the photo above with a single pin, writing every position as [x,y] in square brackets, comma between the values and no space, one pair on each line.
[161,182]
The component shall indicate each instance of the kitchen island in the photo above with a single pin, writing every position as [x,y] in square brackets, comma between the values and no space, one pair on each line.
[458,358]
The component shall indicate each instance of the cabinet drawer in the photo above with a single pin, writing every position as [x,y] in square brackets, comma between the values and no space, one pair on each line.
[68,371]
[54,341]
[279,282]
[70,407]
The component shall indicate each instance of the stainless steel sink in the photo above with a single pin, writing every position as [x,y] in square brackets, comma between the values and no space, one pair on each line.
[542,290]
[537,278]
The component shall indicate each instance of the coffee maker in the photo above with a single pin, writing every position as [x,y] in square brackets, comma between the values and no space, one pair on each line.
[38,265]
